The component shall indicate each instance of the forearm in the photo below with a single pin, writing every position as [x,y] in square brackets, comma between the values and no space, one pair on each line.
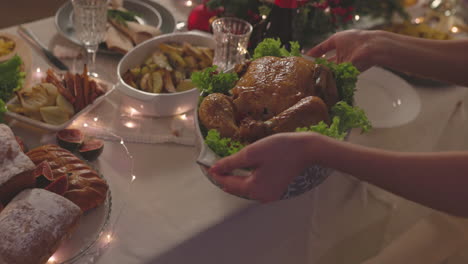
[437,180]
[438,59]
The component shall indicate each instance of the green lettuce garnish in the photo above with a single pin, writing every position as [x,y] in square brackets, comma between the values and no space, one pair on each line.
[323,128]
[11,80]
[210,81]
[273,47]
[345,117]
[345,76]
[351,117]
[222,146]
[121,16]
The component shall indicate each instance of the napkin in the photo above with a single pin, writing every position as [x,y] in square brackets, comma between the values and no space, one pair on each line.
[112,120]
[66,52]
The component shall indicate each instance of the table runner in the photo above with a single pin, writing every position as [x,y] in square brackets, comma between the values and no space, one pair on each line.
[113,118]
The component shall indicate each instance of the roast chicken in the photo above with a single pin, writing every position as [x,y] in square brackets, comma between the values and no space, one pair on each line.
[273,95]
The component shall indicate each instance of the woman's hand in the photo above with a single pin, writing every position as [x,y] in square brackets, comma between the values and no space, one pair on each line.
[275,161]
[359,47]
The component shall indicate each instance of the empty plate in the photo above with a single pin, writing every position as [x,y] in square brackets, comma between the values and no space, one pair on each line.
[388,100]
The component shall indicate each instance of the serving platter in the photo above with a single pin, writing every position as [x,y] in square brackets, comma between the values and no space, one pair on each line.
[306,181]
[151,13]
[309,179]
[93,230]
[109,87]
[98,228]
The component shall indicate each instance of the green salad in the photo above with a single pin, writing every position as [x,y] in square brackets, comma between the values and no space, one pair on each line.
[11,80]
[343,114]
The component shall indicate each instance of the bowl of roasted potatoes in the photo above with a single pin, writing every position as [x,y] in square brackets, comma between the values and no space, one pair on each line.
[156,74]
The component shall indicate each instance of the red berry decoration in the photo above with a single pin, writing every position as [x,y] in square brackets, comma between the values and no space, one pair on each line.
[199,18]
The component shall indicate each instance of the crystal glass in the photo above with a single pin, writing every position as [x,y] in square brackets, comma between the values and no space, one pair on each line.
[90,19]
[232,38]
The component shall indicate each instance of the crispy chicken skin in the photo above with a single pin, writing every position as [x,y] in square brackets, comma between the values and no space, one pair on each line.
[273,95]
[309,110]
[217,112]
[272,85]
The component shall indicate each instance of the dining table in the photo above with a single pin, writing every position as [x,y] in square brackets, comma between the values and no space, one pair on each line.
[169,212]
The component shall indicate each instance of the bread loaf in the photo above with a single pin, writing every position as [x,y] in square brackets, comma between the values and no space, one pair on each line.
[15,167]
[85,188]
[33,225]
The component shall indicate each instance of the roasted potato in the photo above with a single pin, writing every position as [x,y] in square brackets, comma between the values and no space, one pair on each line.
[169,68]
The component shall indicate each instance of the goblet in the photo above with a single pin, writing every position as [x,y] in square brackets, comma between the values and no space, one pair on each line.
[90,18]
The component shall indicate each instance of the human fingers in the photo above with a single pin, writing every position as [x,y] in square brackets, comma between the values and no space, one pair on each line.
[240,160]
[269,182]
[322,48]
[233,184]
[333,59]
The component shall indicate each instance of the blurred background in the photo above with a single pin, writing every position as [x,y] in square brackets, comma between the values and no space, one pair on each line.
[23,11]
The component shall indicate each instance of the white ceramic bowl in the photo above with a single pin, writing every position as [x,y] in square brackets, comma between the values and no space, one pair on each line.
[164,104]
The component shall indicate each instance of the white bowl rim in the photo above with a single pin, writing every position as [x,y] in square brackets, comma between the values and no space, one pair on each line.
[161,37]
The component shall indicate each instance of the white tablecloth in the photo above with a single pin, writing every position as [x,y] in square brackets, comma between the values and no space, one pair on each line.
[175,215]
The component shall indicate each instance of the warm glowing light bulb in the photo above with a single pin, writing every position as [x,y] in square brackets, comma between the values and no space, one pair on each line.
[85,124]
[183,117]
[38,69]
[96,119]
[133,178]
[188,3]
[132,111]
[454,29]
[418,20]
[357,17]
[130,124]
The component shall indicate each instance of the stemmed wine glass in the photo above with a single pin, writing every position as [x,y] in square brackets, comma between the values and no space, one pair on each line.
[90,19]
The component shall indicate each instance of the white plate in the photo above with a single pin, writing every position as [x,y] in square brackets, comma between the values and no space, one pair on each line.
[388,100]
[151,13]
[110,87]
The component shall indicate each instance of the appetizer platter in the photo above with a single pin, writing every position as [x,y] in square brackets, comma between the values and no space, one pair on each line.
[130,22]
[233,111]
[59,99]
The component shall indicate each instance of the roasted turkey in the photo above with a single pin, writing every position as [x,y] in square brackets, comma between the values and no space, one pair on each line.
[272,95]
